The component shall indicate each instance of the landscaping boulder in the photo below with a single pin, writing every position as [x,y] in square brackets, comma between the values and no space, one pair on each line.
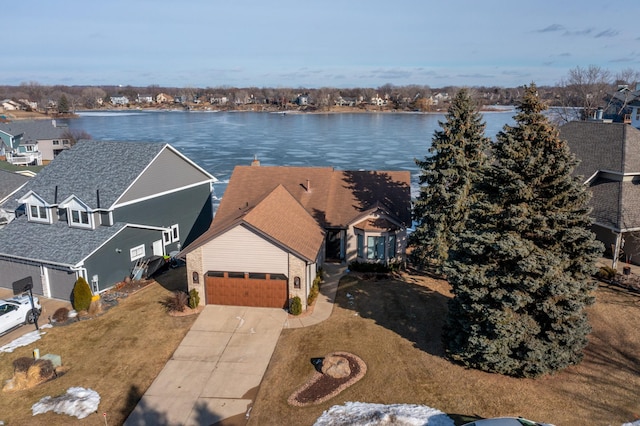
[336,367]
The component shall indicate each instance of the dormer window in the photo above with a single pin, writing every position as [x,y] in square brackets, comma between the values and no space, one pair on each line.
[79,215]
[38,213]
[37,209]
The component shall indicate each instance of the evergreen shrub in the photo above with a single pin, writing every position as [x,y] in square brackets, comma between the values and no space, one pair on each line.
[606,273]
[81,295]
[295,308]
[315,289]
[194,298]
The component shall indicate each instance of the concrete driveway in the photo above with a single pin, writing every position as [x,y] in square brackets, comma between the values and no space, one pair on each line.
[215,372]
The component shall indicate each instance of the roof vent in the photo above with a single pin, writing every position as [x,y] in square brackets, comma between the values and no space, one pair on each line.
[255,161]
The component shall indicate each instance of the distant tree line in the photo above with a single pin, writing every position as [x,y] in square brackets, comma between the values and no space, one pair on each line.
[578,95]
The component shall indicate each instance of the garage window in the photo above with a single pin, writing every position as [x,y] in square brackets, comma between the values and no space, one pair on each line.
[257,276]
[235,274]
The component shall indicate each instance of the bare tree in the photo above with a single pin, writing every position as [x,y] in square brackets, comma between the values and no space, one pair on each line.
[583,91]
[92,96]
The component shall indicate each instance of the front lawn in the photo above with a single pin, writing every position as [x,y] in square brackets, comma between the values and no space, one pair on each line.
[395,326]
[118,355]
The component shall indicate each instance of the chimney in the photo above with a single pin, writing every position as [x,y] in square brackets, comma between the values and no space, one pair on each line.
[599,114]
[53,123]
[255,161]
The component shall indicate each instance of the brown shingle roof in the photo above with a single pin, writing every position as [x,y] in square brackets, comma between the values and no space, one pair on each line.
[283,219]
[332,198]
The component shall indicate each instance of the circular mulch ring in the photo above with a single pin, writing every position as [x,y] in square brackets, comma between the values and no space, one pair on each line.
[322,387]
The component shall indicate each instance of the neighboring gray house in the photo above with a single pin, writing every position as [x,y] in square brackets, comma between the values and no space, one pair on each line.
[32,141]
[99,209]
[10,183]
[609,155]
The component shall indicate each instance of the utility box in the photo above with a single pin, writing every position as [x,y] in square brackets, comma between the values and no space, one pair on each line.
[55,359]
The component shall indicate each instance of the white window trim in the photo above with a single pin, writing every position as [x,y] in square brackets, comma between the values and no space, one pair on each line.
[79,224]
[137,252]
[166,237]
[47,214]
[175,233]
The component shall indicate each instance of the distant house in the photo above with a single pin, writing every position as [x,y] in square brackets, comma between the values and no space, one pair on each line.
[218,100]
[163,98]
[277,225]
[9,105]
[119,100]
[302,100]
[99,210]
[634,116]
[10,183]
[609,155]
[32,141]
[144,99]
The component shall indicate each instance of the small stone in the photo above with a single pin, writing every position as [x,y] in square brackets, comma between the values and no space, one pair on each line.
[336,367]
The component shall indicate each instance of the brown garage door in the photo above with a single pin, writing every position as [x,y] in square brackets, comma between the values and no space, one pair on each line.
[241,289]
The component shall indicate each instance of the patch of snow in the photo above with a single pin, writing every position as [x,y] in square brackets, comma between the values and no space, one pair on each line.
[25,339]
[636,423]
[78,402]
[365,414]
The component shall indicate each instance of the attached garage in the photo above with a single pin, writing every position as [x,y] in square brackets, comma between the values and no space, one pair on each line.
[12,270]
[246,289]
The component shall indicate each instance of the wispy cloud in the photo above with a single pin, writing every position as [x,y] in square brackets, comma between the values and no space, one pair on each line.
[584,32]
[607,33]
[551,28]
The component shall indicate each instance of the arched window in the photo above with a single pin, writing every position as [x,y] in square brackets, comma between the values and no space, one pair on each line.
[196,277]
[296,282]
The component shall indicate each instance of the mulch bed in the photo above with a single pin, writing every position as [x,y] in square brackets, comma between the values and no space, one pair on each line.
[322,387]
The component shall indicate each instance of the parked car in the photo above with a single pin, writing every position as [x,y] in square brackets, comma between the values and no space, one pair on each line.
[17,311]
[506,421]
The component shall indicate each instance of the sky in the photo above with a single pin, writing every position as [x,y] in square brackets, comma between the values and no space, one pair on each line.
[313,44]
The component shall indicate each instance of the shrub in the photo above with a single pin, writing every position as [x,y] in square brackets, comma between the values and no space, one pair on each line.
[606,273]
[315,289]
[61,315]
[81,295]
[22,364]
[295,307]
[176,302]
[194,298]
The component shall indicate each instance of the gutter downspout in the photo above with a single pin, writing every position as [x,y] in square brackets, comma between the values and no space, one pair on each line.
[616,250]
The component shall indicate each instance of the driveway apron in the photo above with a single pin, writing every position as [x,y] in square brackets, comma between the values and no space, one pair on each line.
[215,372]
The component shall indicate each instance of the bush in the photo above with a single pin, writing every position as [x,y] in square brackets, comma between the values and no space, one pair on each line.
[295,307]
[61,315]
[22,364]
[194,298]
[81,295]
[606,273]
[176,302]
[315,289]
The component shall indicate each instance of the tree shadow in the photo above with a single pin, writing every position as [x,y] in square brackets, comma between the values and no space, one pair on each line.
[413,311]
[136,412]
[173,279]
[375,188]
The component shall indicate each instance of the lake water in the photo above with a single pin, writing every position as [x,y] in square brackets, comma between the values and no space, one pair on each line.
[219,141]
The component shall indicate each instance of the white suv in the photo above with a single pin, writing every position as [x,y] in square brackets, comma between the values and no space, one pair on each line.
[17,311]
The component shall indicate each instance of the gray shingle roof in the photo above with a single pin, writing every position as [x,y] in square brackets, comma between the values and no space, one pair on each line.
[9,182]
[34,130]
[91,166]
[56,243]
[613,147]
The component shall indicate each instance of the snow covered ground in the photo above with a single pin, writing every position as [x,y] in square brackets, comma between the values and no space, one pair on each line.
[25,339]
[363,414]
[78,402]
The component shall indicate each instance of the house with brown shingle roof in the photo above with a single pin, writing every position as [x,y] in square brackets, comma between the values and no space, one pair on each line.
[276,226]
[609,155]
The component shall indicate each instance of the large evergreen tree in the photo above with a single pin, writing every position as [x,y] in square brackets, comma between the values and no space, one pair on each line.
[522,270]
[458,155]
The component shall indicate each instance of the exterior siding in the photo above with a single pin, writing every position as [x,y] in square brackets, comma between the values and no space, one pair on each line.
[157,179]
[112,262]
[191,209]
[242,250]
